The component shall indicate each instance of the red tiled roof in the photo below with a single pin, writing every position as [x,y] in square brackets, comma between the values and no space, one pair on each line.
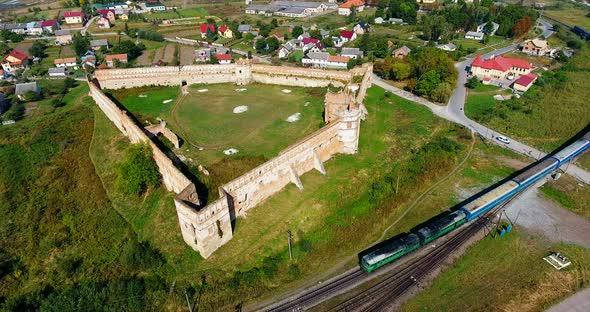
[48,23]
[19,55]
[500,63]
[204,28]
[350,3]
[310,40]
[119,57]
[346,34]
[338,58]
[223,57]
[73,14]
[526,80]
[105,12]
[223,29]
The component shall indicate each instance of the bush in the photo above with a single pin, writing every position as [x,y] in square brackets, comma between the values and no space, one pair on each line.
[137,172]
[473,83]
[140,256]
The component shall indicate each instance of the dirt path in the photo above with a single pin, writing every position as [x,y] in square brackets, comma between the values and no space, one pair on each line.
[168,54]
[144,59]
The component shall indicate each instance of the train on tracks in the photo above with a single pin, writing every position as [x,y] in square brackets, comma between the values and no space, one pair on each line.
[401,245]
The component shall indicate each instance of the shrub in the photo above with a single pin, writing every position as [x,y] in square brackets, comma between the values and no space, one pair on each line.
[137,172]
[473,83]
[140,256]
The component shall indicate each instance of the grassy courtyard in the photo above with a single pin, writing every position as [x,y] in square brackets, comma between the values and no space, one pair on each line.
[206,119]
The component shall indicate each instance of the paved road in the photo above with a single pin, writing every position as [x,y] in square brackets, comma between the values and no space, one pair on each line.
[580,302]
[454,111]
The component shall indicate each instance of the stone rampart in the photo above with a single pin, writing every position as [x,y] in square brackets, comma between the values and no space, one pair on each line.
[206,228]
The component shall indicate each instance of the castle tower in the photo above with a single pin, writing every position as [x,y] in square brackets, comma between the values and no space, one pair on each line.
[349,133]
[243,71]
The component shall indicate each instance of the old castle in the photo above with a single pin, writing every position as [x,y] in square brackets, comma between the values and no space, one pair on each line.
[207,227]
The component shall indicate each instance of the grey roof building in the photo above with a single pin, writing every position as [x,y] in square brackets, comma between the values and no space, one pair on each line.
[62,32]
[53,72]
[99,43]
[352,52]
[244,28]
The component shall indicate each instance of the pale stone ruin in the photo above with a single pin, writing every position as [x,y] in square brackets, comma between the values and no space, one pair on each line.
[207,227]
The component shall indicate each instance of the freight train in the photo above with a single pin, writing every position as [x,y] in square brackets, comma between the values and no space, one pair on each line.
[401,245]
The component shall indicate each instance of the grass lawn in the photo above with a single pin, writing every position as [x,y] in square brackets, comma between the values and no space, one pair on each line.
[478,106]
[570,194]
[505,274]
[570,16]
[546,116]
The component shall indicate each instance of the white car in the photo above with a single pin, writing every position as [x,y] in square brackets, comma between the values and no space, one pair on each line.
[503,139]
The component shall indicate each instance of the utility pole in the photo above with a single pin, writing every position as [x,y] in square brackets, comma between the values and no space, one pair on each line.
[188,302]
[290,247]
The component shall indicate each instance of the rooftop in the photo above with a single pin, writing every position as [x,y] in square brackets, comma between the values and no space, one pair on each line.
[526,80]
[500,63]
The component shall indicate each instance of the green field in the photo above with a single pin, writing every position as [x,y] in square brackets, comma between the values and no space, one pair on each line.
[570,16]
[570,194]
[207,120]
[560,106]
[505,274]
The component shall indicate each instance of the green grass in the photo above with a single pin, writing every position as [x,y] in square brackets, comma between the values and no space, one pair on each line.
[570,194]
[478,106]
[505,274]
[182,13]
[535,118]
[152,105]
[485,88]
[570,16]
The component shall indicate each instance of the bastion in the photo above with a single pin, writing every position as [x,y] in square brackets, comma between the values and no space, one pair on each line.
[207,227]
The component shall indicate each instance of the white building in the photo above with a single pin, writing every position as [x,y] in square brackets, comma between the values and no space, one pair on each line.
[474,35]
[57,72]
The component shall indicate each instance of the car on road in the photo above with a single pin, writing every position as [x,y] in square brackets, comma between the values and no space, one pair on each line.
[503,139]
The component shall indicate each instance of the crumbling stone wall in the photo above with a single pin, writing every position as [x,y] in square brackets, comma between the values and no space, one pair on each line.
[206,228]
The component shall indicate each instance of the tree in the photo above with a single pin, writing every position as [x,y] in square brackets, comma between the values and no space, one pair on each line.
[488,28]
[352,16]
[272,44]
[81,44]
[137,172]
[297,31]
[401,70]
[522,27]
[126,28]
[351,63]
[38,48]
[130,48]
[274,23]
[260,45]
[473,82]
[327,42]
[316,34]
[427,83]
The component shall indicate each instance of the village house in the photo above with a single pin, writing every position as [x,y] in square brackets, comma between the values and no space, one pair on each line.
[63,37]
[325,60]
[347,7]
[203,55]
[495,26]
[379,20]
[88,59]
[108,14]
[474,35]
[523,83]
[97,44]
[23,88]
[289,8]
[279,36]
[225,32]
[499,68]
[244,28]
[361,28]
[353,53]
[103,23]
[16,28]
[15,60]
[223,58]
[347,36]
[338,61]
[57,72]
[285,50]
[536,47]
[204,28]
[33,29]
[154,6]
[74,17]
[65,62]
[401,53]
[112,59]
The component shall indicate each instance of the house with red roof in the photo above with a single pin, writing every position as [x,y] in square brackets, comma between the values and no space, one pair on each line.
[14,60]
[74,17]
[107,13]
[225,32]
[499,68]
[347,7]
[523,83]
[206,27]
[223,58]
[347,35]
[112,59]
[50,26]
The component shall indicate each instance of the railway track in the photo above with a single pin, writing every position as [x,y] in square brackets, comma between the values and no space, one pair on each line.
[381,295]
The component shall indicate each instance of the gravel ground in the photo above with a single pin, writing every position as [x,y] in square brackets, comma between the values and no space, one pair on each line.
[579,302]
[539,214]
[144,59]
[158,55]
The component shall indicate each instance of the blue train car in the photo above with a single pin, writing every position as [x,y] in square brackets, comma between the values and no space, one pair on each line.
[572,151]
[490,199]
[536,172]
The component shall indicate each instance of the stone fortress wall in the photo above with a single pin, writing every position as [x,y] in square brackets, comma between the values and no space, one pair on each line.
[206,228]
